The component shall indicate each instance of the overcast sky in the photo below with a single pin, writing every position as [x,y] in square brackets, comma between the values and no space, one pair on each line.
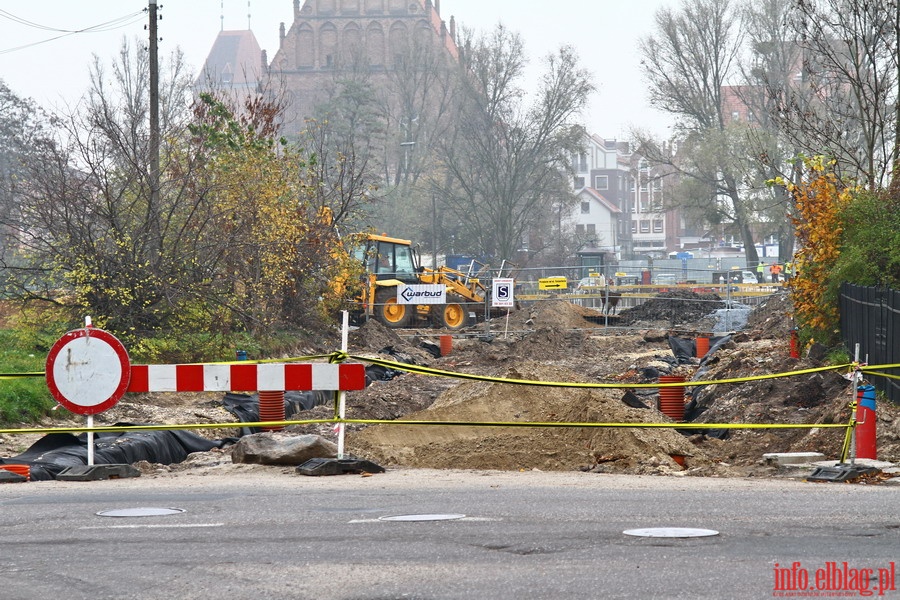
[40,59]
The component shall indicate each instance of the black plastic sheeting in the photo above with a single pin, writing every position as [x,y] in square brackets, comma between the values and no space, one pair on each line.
[685,349]
[701,399]
[54,452]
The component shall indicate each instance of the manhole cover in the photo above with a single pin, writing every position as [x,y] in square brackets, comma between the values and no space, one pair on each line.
[140,512]
[671,532]
[448,517]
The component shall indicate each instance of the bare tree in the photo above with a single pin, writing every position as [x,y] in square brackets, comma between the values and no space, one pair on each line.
[506,161]
[85,216]
[689,62]
[23,128]
[844,100]
[345,141]
[420,102]
[768,73]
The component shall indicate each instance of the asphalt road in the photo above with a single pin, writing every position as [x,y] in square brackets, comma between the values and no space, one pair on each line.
[272,534]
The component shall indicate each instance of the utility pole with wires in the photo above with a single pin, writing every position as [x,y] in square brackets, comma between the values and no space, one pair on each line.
[156,235]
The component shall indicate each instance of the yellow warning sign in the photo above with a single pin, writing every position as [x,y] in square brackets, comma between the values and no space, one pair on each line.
[553,283]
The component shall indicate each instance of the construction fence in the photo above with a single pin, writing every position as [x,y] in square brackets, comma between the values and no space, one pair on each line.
[870,317]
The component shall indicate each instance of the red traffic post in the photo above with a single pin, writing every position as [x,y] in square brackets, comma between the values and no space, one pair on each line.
[795,344]
[866,446]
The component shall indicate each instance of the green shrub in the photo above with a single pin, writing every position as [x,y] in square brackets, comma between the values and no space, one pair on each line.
[22,399]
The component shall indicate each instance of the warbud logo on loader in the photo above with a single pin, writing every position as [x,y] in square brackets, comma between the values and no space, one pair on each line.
[422,294]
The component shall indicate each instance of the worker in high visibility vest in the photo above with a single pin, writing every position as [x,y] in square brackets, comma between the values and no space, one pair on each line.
[760,272]
[775,270]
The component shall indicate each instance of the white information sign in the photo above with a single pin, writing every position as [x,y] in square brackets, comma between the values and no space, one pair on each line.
[503,293]
[422,294]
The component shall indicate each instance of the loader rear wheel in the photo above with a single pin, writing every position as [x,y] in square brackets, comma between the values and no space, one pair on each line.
[389,311]
[453,315]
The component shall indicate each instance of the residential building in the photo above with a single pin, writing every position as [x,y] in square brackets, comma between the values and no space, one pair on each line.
[628,200]
[601,182]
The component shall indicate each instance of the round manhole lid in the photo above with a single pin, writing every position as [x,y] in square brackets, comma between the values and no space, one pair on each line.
[140,512]
[671,532]
[433,517]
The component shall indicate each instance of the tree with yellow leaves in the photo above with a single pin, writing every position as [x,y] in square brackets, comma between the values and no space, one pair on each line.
[820,200]
[274,253]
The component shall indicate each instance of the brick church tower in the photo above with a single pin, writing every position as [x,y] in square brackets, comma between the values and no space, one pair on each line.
[329,38]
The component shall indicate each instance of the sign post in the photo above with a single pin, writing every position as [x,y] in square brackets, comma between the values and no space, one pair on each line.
[503,296]
[87,372]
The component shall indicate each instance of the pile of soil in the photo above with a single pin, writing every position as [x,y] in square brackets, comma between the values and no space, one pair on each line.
[545,448]
[677,307]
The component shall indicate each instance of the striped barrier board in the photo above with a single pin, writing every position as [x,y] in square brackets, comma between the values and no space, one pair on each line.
[247,377]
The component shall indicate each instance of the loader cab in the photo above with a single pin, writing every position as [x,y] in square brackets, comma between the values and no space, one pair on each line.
[388,258]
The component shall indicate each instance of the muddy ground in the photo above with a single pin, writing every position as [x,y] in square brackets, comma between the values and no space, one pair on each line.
[556,341]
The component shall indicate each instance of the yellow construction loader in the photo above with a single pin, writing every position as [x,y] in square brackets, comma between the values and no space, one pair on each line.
[391,263]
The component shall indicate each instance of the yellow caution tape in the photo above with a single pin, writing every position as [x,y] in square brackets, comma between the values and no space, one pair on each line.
[20,375]
[568,384]
[638,425]
[869,371]
[234,424]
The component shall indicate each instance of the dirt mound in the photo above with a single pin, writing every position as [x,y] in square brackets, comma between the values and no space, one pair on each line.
[554,340]
[676,307]
[774,317]
[557,313]
[372,335]
[813,398]
[547,448]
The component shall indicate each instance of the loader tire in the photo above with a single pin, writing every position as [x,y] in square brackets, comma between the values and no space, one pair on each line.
[389,312]
[454,315]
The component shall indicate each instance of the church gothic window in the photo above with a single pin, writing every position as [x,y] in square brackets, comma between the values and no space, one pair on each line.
[349,7]
[327,45]
[398,41]
[305,47]
[351,48]
[375,45]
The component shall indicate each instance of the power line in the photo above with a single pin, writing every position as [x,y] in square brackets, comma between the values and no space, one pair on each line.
[117,23]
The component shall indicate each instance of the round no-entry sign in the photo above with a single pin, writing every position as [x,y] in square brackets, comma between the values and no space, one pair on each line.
[88,371]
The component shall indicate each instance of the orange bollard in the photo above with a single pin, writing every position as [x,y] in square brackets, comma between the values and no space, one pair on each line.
[23,470]
[866,446]
[702,346]
[271,408]
[446,344]
[671,399]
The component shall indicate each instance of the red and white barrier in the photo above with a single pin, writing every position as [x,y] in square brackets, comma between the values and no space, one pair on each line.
[247,377]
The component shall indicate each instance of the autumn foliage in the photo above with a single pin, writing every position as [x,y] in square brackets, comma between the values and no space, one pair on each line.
[820,200]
